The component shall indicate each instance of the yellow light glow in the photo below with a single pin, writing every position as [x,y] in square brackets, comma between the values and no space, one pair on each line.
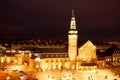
[8,59]
[94,47]
[37,59]
[37,66]
[15,61]
[8,78]
[81,48]
[2,59]
[87,52]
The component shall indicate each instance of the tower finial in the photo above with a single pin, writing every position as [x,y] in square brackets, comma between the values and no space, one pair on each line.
[73,13]
[73,22]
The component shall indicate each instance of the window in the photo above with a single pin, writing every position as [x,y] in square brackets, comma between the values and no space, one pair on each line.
[47,55]
[51,55]
[56,55]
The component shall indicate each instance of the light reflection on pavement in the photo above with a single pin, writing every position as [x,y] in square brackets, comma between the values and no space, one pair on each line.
[100,74]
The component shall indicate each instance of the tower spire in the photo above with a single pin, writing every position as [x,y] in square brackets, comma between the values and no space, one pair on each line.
[73,22]
[73,13]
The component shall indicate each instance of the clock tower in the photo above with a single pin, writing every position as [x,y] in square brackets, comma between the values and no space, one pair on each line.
[72,39]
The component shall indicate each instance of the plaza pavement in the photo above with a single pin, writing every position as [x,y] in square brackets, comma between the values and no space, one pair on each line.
[100,74]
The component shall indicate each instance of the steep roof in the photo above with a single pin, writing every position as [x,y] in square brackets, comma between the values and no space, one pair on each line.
[83,43]
[45,50]
[111,50]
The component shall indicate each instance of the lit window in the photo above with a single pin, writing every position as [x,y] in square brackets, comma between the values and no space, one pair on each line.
[101,50]
[81,48]
[56,55]
[47,55]
[114,59]
[51,55]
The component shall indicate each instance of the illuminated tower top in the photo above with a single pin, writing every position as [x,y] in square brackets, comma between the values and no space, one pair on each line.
[73,23]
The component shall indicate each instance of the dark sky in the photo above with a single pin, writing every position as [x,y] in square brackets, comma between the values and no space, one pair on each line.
[50,19]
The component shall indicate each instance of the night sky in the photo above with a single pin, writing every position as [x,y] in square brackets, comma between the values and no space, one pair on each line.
[50,19]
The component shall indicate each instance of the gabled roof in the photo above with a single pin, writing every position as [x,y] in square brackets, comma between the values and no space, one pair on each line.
[85,43]
[53,50]
[45,50]
[111,50]
[81,43]
[89,42]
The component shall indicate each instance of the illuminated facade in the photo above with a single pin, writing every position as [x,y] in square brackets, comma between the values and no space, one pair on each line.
[87,56]
[87,52]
